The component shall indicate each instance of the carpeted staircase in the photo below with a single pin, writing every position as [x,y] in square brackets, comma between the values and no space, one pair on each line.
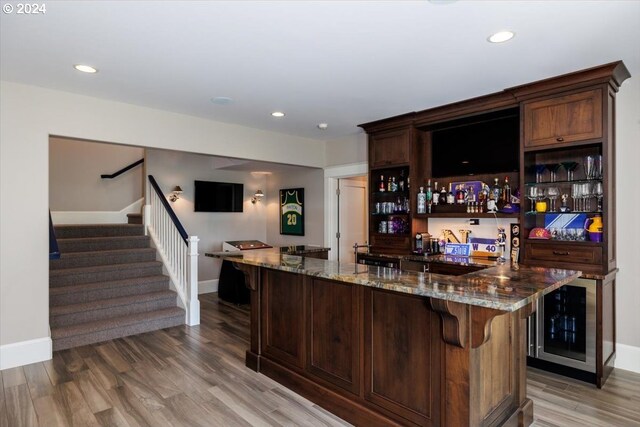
[107,284]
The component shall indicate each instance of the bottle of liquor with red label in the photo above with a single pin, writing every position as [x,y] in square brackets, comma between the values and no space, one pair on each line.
[382,186]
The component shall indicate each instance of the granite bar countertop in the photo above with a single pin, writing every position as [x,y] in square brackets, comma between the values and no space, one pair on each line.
[289,250]
[500,287]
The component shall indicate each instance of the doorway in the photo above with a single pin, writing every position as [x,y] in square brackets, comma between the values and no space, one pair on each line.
[332,176]
[352,215]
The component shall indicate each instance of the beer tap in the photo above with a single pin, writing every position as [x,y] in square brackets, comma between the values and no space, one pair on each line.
[501,242]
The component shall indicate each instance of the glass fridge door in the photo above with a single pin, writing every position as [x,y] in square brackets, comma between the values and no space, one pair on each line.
[566,332]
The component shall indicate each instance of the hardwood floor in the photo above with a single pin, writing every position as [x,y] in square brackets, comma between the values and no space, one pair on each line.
[195,376]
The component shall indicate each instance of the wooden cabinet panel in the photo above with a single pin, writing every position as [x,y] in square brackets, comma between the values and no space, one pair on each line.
[563,119]
[283,317]
[333,333]
[393,244]
[402,346]
[563,253]
[389,148]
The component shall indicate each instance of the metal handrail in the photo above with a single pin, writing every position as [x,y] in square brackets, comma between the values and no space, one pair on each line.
[123,170]
[170,212]
[54,251]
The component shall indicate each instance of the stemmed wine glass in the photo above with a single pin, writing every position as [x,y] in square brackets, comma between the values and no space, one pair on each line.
[553,169]
[540,173]
[598,167]
[570,167]
[576,195]
[552,194]
[598,192]
[532,194]
[586,196]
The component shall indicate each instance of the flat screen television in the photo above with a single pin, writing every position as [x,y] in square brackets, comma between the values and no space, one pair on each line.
[218,196]
[490,144]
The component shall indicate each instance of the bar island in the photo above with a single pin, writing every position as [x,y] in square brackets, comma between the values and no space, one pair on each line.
[381,346]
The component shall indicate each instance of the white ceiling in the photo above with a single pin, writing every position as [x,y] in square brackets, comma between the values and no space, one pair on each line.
[340,62]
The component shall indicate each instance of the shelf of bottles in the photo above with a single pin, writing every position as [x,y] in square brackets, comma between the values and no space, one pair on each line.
[390,205]
[564,193]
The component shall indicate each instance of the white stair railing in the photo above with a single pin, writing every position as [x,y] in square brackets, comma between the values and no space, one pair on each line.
[178,250]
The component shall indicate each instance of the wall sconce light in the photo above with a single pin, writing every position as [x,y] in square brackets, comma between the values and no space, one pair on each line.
[175,194]
[257,197]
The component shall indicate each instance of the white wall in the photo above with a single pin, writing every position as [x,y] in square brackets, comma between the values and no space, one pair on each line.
[171,168]
[28,116]
[74,175]
[312,180]
[347,150]
[627,211]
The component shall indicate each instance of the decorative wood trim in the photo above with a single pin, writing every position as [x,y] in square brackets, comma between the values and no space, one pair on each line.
[454,320]
[481,319]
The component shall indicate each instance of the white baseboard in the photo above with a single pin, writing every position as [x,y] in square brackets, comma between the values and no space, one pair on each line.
[207,286]
[25,352]
[96,217]
[627,357]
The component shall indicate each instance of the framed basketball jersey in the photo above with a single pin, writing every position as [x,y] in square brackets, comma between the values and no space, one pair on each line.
[292,211]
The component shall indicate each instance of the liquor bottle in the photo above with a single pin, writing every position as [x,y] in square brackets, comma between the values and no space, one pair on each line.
[422,201]
[394,184]
[382,187]
[494,196]
[460,195]
[436,197]
[471,195]
[442,199]
[429,196]
[451,199]
[401,181]
[389,184]
[408,183]
[506,191]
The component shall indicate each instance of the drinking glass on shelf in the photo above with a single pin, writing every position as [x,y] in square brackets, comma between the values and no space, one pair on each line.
[598,192]
[553,171]
[580,234]
[590,167]
[540,173]
[532,195]
[598,167]
[586,196]
[570,167]
[572,234]
[576,195]
[552,194]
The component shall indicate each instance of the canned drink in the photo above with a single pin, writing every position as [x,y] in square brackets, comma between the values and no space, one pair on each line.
[390,227]
[378,207]
[382,228]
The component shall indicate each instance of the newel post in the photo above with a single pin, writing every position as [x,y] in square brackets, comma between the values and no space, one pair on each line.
[193,309]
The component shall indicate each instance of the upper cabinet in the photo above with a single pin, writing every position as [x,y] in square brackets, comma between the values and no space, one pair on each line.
[563,119]
[389,148]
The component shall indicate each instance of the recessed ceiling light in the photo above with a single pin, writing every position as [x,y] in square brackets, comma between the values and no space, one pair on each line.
[278,114]
[85,68]
[501,36]
[323,126]
[222,100]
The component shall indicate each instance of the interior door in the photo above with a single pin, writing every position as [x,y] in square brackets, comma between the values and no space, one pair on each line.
[352,216]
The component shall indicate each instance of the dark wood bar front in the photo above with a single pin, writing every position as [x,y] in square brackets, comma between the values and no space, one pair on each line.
[378,357]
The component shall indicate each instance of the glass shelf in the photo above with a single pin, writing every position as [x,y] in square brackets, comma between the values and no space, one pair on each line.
[563,213]
[390,193]
[389,214]
[551,184]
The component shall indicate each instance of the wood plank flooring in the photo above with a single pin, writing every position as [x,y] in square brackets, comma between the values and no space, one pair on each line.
[195,376]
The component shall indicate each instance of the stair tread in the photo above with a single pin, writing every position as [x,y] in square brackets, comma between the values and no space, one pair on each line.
[111,302]
[101,268]
[106,225]
[98,238]
[113,323]
[105,252]
[108,284]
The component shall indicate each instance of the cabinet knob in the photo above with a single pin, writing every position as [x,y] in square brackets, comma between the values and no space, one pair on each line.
[559,139]
[565,253]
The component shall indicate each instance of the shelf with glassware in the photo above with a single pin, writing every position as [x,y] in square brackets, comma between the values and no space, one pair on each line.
[390,201]
[565,208]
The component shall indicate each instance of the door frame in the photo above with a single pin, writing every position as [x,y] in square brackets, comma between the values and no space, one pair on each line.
[331,176]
